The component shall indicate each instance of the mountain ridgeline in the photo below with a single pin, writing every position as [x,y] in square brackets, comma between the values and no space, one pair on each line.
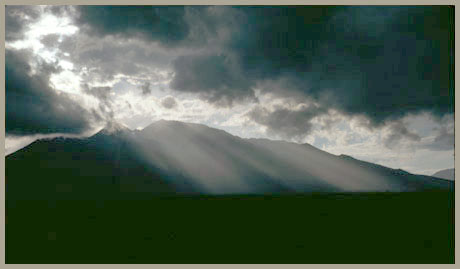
[170,157]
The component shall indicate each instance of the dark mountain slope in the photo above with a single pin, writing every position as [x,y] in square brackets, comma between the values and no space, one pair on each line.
[101,167]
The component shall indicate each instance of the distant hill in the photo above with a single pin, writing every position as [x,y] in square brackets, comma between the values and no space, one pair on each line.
[446,174]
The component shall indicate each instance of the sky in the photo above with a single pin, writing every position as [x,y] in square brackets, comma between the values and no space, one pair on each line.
[372,82]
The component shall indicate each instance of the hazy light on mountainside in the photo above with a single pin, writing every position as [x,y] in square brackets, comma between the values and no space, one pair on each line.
[222,163]
[197,158]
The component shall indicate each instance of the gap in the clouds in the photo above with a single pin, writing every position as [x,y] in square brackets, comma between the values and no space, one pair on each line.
[48,24]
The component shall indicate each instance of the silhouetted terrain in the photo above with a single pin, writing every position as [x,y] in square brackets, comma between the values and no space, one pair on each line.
[320,228]
[187,193]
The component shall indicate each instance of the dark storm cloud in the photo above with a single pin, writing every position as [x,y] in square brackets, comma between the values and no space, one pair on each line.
[59,10]
[164,24]
[50,40]
[171,26]
[444,140]
[17,19]
[146,88]
[398,133]
[217,78]
[169,102]
[286,122]
[279,39]
[32,106]
[380,62]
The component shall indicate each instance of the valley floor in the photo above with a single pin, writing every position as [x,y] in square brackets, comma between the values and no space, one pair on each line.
[317,228]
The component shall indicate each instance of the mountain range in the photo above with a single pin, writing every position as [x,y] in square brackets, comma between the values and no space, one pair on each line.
[171,157]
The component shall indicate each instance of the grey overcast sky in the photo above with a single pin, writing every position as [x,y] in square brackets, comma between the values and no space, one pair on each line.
[372,82]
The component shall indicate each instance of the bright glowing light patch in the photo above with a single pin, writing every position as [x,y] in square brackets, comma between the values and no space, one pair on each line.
[66,64]
[66,81]
[50,24]
[46,25]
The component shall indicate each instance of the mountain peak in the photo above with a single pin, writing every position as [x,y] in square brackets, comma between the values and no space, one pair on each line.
[344,156]
[114,127]
[159,124]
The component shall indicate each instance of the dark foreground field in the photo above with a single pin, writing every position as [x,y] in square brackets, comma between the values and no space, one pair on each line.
[318,228]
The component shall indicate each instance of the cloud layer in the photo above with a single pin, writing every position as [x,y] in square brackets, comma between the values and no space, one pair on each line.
[380,62]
